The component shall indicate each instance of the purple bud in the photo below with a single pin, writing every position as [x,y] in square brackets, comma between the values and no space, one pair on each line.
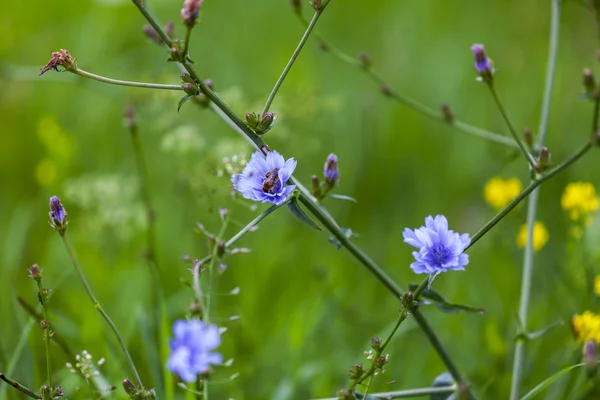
[58,215]
[483,64]
[331,171]
[151,33]
[544,160]
[266,122]
[315,4]
[190,11]
[35,273]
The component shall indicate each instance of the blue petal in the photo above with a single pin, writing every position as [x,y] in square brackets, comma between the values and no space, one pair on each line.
[274,160]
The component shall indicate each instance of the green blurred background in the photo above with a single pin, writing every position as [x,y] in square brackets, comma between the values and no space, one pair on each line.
[306,310]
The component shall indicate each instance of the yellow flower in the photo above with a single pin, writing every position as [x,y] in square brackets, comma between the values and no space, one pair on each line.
[499,192]
[579,199]
[586,326]
[540,236]
[597,285]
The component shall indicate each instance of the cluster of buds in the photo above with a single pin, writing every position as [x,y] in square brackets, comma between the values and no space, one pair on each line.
[483,65]
[331,174]
[58,215]
[190,11]
[61,58]
[49,393]
[261,124]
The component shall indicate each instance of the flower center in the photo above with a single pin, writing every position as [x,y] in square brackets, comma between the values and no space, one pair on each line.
[438,254]
[271,183]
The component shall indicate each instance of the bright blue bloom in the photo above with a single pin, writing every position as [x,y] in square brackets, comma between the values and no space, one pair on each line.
[331,171]
[483,64]
[264,178]
[190,349]
[58,215]
[440,249]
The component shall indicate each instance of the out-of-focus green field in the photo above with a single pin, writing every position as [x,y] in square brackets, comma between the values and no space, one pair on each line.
[306,310]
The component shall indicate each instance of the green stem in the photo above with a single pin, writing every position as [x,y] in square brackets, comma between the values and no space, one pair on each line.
[43,300]
[104,79]
[153,22]
[99,307]
[511,128]
[435,115]
[287,68]
[186,43]
[404,394]
[253,223]
[20,387]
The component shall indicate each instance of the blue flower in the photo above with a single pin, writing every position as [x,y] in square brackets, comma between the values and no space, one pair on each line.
[190,349]
[264,178]
[440,249]
[57,214]
[483,65]
[330,170]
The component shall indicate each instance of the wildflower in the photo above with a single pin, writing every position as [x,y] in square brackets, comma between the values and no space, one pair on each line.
[191,349]
[60,58]
[330,171]
[597,285]
[499,192]
[540,236]
[264,178]
[483,65]
[579,199]
[190,11]
[440,249]
[58,215]
[586,326]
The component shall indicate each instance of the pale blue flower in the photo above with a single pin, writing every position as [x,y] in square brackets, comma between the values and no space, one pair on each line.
[440,249]
[331,171]
[264,178]
[191,349]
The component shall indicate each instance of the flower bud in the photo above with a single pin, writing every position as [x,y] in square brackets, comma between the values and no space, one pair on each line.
[186,78]
[35,273]
[407,300]
[190,88]
[528,137]
[590,357]
[190,11]
[381,361]
[316,186]
[151,34]
[210,84]
[220,249]
[447,112]
[267,121]
[365,60]
[177,51]
[345,395]
[130,388]
[356,371]
[46,392]
[252,121]
[589,83]
[376,343]
[58,215]
[483,64]
[330,171]
[61,58]
[544,159]
[170,28]
[386,90]
[315,4]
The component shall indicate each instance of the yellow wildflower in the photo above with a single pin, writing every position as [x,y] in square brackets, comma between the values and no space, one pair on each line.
[499,192]
[597,285]
[540,236]
[579,199]
[586,326]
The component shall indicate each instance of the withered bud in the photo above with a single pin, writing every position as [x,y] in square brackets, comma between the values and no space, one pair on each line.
[528,137]
[315,4]
[61,58]
[590,357]
[365,60]
[35,273]
[447,112]
[190,11]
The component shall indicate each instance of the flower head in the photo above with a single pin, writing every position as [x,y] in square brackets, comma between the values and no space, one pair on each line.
[483,65]
[330,171]
[499,192]
[263,179]
[191,349]
[58,214]
[540,236]
[440,249]
[190,11]
[579,199]
[60,58]
[586,326]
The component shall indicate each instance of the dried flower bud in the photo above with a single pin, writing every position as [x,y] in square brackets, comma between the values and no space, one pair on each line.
[35,273]
[483,65]
[315,4]
[447,112]
[330,171]
[589,83]
[365,60]
[190,11]
[544,159]
[590,357]
[528,136]
[61,58]
[356,371]
[58,215]
[376,343]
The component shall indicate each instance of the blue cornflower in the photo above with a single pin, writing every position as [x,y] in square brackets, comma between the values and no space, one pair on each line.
[440,249]
[330,171]
[264,178]
[58,215]
[483,64]
[190,349]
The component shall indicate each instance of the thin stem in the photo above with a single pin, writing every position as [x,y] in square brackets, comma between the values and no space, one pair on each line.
[186,43]
[404,394]
[287,68]
[435,115]
[253,223]
[99,307]
[153,22]
[20,387]
[104,79]
[43,299]
[511,128]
